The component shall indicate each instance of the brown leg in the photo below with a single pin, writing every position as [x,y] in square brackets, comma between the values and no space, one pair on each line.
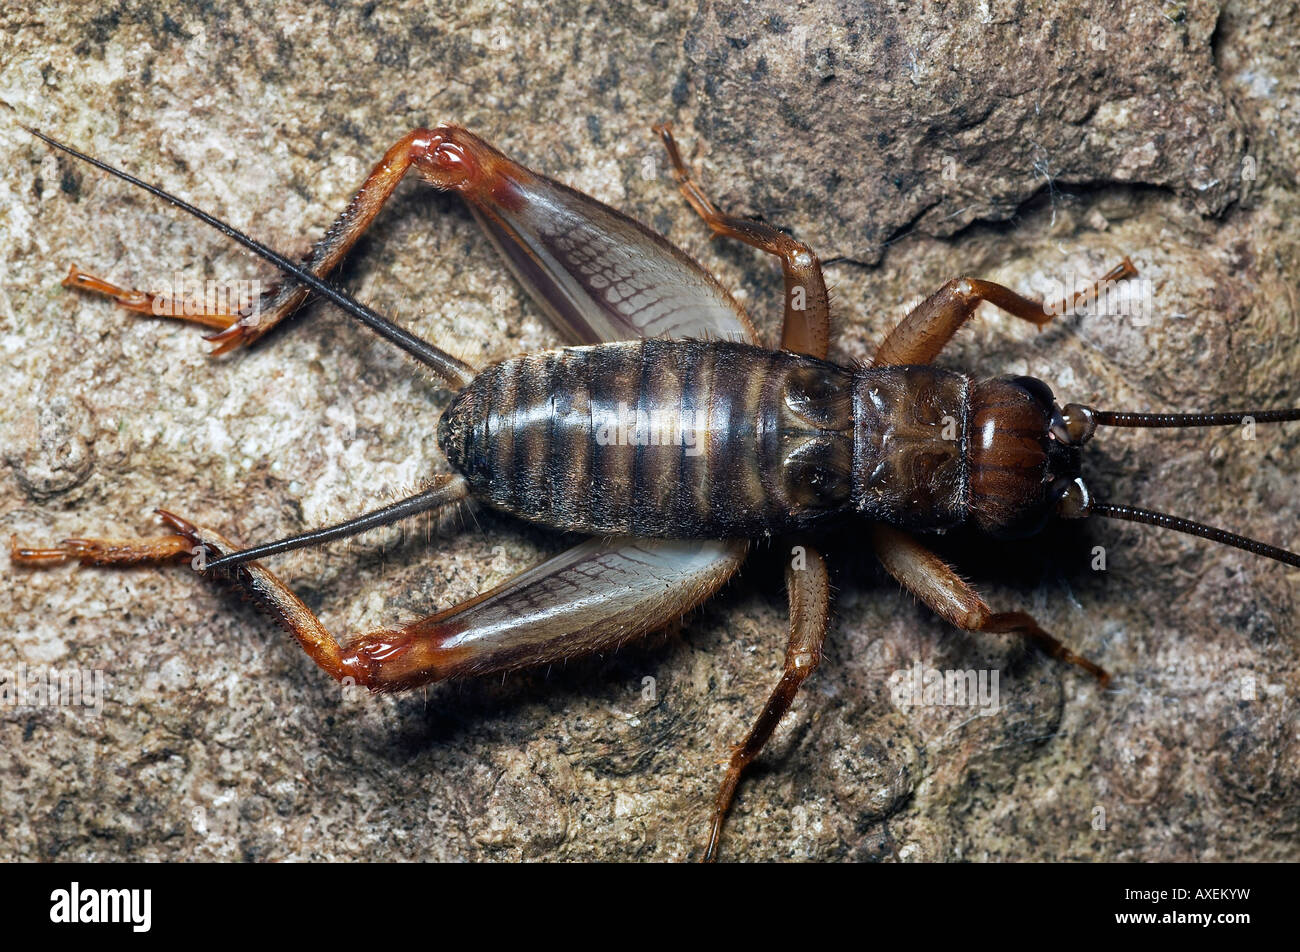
[146,302]
[337,241]
[592,598]
[935,583]
[199,547]
[807,327]
[102,551]
[929,326]
[278,303]
[809,590]
[566,249]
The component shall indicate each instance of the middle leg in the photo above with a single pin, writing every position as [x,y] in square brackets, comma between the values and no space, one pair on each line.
[807,326]
[810,594]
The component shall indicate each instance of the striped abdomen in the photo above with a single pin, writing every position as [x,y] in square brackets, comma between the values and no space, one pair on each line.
[662,438]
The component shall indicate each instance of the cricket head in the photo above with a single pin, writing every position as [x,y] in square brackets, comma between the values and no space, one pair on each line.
[1023,465]
[1063,431]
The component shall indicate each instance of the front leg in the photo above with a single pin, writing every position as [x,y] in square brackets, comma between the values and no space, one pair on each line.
[929,326]
[935,583]
[809,590]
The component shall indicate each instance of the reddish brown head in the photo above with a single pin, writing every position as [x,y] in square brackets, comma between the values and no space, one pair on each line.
[1020,466]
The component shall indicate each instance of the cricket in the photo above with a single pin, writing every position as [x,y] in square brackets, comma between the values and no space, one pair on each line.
[672,436]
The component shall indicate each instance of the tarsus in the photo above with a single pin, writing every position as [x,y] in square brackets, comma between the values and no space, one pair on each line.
[455,372]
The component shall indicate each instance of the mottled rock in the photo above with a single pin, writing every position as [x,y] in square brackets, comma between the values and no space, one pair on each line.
[984,138]
[920,117]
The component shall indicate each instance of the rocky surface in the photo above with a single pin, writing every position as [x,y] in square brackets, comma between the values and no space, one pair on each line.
[1019,142]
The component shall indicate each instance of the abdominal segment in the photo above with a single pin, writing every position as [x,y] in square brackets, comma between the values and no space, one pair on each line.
[656,438]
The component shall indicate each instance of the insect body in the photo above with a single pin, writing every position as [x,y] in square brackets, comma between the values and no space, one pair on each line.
[663,438]
[714,440]
[672,437]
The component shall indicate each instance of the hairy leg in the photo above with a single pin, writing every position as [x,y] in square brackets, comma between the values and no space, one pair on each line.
[948,595]
[809,590]
[926,330]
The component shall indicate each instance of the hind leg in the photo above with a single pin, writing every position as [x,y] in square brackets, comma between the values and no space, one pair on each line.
[592,598]
[245,323]
[159,303]
[104,551]
[199,546]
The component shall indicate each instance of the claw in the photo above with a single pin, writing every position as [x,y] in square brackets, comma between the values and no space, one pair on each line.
[236,335]
[181,526]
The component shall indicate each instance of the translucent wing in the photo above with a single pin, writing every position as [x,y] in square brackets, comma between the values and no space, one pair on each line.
[593,597]
[599,276]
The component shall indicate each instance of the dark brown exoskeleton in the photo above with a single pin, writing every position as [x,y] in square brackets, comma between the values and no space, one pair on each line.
[672,437]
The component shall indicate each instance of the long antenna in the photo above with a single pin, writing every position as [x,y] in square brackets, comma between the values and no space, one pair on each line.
[455,372]
[1111,418]
[1165,521]
[446,490]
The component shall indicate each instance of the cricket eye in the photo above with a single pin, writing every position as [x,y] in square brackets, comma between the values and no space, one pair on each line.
[1072,497]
